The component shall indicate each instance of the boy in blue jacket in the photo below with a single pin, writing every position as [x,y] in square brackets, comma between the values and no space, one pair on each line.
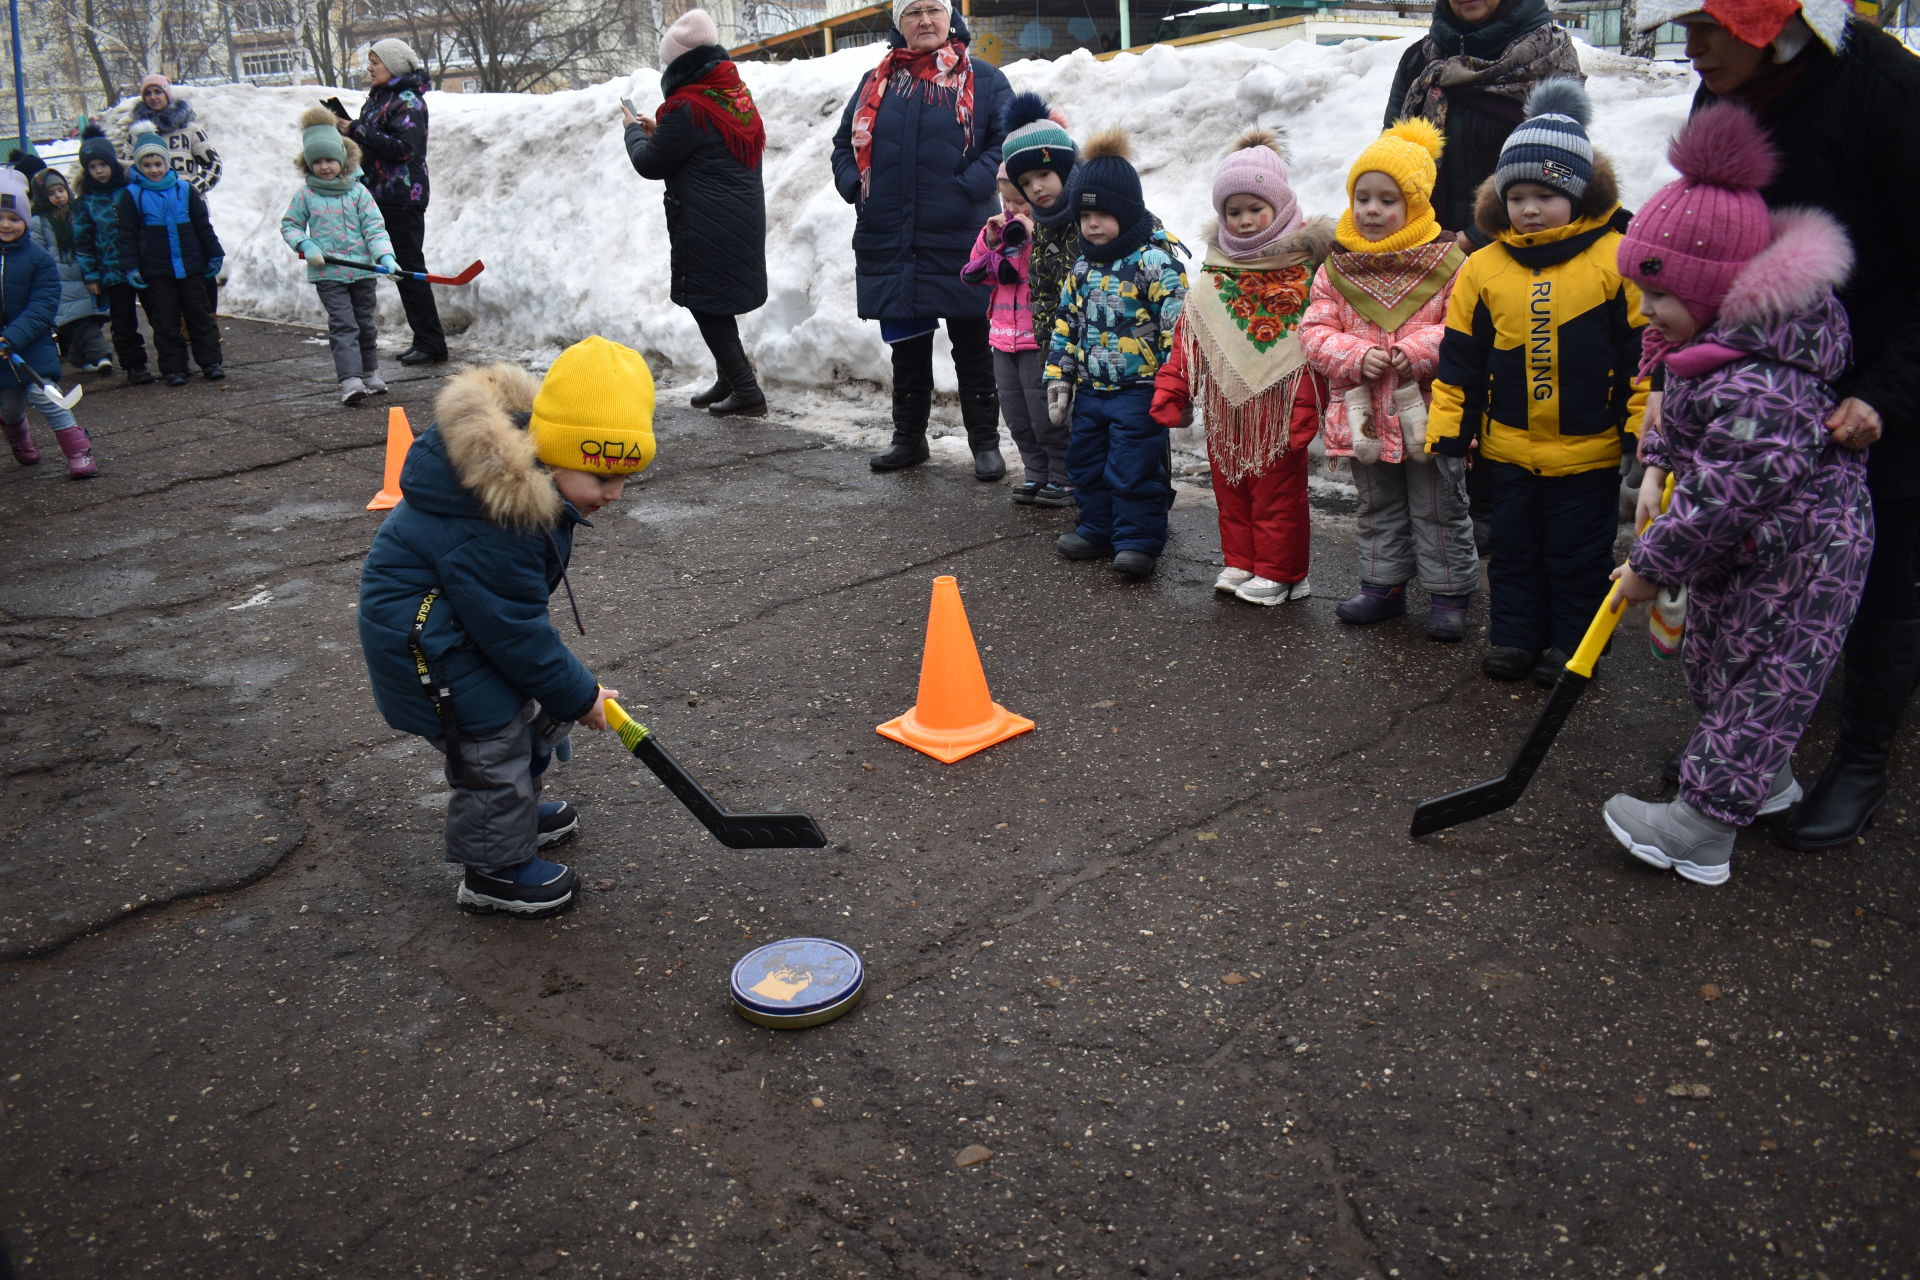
[166,246]
[454,597]
[29,300]
[1111,334]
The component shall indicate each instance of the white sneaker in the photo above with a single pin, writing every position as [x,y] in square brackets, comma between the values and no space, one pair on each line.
[1230,578]
[352,391]
[1300,590]
[1261,591]
[101,365]
[1782,795]
[375,384]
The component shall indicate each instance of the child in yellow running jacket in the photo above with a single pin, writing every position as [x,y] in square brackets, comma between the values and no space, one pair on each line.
[1538,364]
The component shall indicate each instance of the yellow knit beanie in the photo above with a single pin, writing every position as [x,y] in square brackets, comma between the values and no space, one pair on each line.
[1406,152]
[594,412]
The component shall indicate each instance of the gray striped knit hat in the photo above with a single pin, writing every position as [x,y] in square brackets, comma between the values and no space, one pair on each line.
[1550,146]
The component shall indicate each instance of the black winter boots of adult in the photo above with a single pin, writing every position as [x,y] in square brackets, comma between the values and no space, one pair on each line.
[1883,661]
[980,412]
[743,398]
[909,447]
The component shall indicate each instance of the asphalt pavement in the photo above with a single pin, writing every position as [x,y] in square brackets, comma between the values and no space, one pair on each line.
[1170,960]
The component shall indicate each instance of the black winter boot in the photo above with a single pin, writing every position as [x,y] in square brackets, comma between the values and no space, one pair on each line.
[744,399]
[1882,660]
[980,412]
[719,391]
[909,447]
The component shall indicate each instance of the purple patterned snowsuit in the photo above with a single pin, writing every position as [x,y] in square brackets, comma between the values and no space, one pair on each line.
[1769,528]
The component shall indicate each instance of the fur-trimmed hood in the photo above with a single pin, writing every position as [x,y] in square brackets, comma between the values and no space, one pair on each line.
[1601,199]
[1809,257]
[480,416]
[1311,243]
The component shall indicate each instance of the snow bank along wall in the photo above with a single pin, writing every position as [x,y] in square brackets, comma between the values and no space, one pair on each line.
[575,242]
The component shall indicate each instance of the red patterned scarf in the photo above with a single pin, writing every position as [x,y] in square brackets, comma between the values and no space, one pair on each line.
[720,100]
[947,69]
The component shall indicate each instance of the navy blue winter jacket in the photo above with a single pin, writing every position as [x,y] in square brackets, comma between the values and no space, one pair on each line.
[164,230]
[29,299]
[928,196]
[482,521]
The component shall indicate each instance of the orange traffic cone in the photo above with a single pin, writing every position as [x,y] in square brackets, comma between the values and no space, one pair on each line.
[955,715]
[399,440]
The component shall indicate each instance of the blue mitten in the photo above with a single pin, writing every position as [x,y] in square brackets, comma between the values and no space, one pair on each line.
[388,264]
[137,280]
[213,267]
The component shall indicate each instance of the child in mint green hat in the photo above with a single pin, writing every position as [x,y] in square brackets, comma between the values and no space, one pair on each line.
[332,214]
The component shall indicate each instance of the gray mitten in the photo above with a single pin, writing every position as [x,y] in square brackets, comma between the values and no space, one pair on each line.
[1059,402]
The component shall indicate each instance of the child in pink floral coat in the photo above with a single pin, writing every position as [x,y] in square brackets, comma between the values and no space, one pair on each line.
[1373,328]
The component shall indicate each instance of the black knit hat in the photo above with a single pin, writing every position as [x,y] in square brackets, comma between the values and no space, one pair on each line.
[95,145]
[1105,181]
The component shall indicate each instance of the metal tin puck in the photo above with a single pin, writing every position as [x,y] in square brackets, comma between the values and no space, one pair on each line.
[797,982]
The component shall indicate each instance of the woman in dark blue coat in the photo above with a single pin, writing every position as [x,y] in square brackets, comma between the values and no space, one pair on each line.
[916,154]
[707,146]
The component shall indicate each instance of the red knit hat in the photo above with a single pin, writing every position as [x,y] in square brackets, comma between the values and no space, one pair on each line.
[1693,237]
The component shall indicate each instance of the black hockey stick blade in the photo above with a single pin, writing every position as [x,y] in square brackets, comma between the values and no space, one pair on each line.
[1478,801]
[734,830]
[1500,793]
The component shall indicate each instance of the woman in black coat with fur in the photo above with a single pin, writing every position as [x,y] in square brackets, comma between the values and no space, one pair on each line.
[706,146]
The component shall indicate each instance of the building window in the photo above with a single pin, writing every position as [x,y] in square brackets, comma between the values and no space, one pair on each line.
[267,64]
[263,15]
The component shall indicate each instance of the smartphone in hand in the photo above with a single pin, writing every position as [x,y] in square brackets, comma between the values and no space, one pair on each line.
[334,105]
[631,109]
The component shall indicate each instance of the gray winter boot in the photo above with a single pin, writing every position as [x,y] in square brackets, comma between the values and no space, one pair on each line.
[1675,836]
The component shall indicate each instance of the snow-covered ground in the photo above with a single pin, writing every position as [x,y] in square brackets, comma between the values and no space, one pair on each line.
[575,241]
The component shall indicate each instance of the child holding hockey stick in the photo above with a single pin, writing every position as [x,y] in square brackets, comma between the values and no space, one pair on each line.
[333,213]
[1769,526]
[454,597]
[29,300]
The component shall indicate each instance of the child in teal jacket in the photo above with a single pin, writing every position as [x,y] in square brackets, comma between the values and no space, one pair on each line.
[334,214]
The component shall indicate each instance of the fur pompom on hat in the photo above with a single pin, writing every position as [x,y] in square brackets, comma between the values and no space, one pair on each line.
[1550,146]
[25,162]
[96,145]
[1036,138]
[1255,166]
[396,55]
[1408,151]
[320,136]
[594,412]
[692,30]
[1693,237]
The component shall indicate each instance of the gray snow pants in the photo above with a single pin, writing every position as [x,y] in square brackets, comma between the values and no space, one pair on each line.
[1023,403]
[493,816]
[1413,519]
[350,326]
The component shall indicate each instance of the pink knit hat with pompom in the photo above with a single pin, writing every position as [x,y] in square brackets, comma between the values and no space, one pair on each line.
[1693,237]
[1254,168]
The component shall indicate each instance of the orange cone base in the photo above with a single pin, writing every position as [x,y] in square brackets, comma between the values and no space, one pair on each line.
[949,745]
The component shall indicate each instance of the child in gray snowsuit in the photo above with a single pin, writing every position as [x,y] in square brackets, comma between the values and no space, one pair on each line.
[1769,527]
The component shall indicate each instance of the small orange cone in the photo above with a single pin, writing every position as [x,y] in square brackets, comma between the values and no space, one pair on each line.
[955,715]
[399,440]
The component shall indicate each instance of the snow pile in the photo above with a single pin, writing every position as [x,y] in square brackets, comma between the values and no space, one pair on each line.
[575,242]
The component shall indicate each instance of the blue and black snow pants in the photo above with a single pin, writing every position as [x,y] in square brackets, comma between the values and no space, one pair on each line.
[1117,457]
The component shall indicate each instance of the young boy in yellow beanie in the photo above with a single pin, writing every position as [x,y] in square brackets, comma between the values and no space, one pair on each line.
[454,597]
